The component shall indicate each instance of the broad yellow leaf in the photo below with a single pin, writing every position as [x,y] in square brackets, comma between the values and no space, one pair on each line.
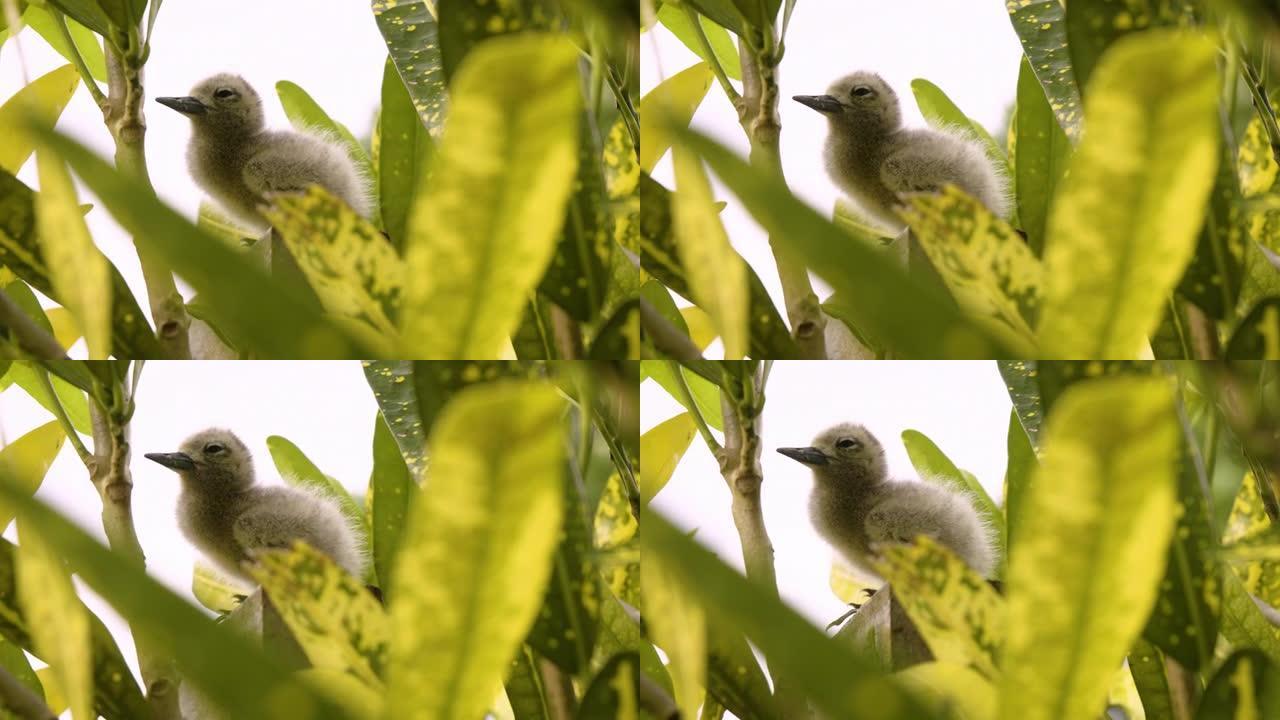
[660,451]
[25,461]
[671,103]
[678,626]
[40,102]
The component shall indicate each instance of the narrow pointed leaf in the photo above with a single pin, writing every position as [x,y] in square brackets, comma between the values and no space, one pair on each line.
[485,228]
[296,469]
[1108,474]
[1125,220]
[723,47]
[1041,26]
[404,155]
[72,399]
[613,691]
[660,452]
[410,31]
[941,112]
[670,104]
[678,625]
[391,491]
[88,45]
[25,461]
[1040,156]
[40,102]
[216,591]
[934,466]
[477,551]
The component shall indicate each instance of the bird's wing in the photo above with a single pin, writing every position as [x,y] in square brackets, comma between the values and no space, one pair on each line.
[269,525]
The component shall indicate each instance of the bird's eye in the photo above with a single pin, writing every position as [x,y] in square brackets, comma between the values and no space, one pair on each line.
[846,443]
[214,448]
[224,93]
[863,91]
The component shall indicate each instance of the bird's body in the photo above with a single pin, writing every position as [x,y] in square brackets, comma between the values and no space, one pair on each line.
[241,164]
[228,517]
[856,506]
[877,162]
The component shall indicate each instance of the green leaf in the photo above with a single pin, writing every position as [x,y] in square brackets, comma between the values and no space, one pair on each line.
[1041,26]
[391,492]
[305,114]
[758,13]
[523,685]
[404,156]
[952,688]
[934,466]
[613,691]
[1125,219]
[409,29]
[1246,686]
[337,622]
[1040,156]
[354,271]
[20,7]
[716,274]
[619,337]
[216,591]
[39,102]
[938,109]
[24,462]
[477,550]
[1243,624]
[1213,279]
[296,469]
[86,12]
[80,273]
[1146,663]
[721,12]
[671,104]
[263,317]
[706,396]
[1020,467]
[678,625]
[59,623]
[72,399]
[734,677]
[1081,586]
[957,613]
[224,666]
[123,13]
[835,680]
[722,45]
[659,256]
[466,26]
[918,322]
[393,388]
[1094,25]
[1257,337]
[986,265]
[485,228]
[88,45]
[14,661]
[660,452]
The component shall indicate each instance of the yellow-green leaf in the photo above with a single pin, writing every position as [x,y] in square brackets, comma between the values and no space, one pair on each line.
[958,614]
[988,268]
[38,103]
[65,329]
[351,266]
[660,451]
[1124,223]
[87,44]
[24,462]
[848,585]
[953,688]
[216,591]
[485,229]
[701,330]
[716,273]
[58,623]
[476,553]
[614,531]
[678,625]
[1081,586]
[80,273]
[336,621]
[672,103]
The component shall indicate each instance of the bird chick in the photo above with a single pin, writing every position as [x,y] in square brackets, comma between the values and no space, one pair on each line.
[876,161]
[228,517]
[855,506]
[240,163]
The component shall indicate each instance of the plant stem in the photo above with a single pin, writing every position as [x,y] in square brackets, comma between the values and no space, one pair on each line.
[714,61]
[60,413]
[90,84]
[109,472]
[124,118]
[19,700]
[1261,103]
[666,337]
[31,337]
[687,397]
[758,115]
[740,467]
[557,687]
[566,332]
[1204,336]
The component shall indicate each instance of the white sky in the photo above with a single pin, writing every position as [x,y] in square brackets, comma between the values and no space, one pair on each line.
[968,49]
[962,406]
[325,408]
[331,48]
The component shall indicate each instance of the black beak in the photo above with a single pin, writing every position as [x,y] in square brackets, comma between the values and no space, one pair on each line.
[822,103]
[185,105]
[173,461]
[808,456]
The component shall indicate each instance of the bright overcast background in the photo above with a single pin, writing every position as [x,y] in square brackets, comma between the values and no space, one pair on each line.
[325,408]
[968,49]
[331,48]
[962,406]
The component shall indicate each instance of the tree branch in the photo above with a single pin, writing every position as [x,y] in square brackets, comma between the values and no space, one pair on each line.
[109,472]
[20,700]
[758,115]
[31,337]
[124,118]
[666,337]
[740,467]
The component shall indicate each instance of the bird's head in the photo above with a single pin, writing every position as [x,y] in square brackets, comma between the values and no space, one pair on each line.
[224,104]
[861,100]
[214,459]
[846,454]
